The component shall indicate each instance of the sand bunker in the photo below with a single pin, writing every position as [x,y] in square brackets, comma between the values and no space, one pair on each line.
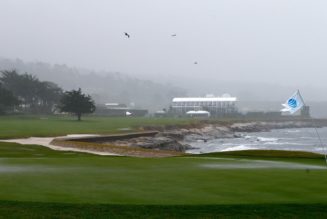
[47,140]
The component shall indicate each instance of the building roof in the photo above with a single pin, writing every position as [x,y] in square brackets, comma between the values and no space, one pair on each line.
[112,104]
[204,99]
[199,112]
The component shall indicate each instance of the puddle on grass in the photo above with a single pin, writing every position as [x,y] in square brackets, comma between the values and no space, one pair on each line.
[261,164]
[13,169]
[33,169]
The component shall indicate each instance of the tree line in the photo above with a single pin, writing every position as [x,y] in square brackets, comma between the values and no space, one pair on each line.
[25,93]
[103,86]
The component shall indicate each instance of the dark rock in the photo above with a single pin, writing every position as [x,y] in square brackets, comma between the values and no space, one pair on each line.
[177,135]
[158,143]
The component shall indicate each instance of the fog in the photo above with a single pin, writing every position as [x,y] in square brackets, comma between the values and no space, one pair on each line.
[259,49]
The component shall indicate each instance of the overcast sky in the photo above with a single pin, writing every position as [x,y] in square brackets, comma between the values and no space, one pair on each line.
[274,41]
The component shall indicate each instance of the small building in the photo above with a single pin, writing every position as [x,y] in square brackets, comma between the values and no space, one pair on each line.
[119,109]
[216,106]
[160,113]
[115,106]
[198,114]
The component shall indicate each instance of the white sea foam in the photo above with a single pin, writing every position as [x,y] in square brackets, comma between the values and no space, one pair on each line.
[293,131]
[239,148]
[286,139]
[286,143]
[81,135]
[228,144]
[321,149]
[266,139]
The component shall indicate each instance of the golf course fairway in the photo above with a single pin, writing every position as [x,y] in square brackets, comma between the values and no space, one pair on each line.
[39,182]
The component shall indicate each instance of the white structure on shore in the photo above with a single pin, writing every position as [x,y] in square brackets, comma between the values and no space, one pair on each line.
[216,106]
[198,113]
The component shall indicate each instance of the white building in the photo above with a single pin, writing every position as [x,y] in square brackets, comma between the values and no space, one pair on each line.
[198,113]
[217,106]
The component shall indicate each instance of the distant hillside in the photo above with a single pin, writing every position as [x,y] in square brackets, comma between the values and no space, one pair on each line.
[104,87]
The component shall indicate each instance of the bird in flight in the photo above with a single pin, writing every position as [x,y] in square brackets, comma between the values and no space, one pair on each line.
[195,63]
[173,35]
[126,34]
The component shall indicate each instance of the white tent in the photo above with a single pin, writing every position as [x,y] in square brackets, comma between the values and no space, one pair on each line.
[198,113]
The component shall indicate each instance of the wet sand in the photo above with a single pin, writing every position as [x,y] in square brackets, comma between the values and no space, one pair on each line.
[47,140]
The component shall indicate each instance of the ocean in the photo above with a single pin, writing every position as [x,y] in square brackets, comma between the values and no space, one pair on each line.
[299,139]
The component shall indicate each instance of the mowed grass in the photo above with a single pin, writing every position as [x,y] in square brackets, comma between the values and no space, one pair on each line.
[123,180]
[36,182]
[44,126]
[55,210]
[34,179]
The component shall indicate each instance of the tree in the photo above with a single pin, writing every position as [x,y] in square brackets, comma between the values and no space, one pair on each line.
[77,103]
[35,96]
[7,100]
[49,95]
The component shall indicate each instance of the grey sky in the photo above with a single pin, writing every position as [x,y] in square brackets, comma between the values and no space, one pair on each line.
[274,41]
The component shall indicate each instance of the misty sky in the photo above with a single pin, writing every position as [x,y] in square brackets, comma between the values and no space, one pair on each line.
[274,41]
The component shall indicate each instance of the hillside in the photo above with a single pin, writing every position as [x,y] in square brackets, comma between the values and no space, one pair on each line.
[102,86]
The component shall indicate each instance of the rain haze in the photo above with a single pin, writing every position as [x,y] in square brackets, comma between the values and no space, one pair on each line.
[163,108]
[246,48]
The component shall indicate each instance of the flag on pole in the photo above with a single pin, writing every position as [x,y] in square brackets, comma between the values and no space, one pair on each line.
[294,103]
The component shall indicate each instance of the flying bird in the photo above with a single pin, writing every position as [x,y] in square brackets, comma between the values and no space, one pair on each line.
[126,34]
[195,63]
[173,35]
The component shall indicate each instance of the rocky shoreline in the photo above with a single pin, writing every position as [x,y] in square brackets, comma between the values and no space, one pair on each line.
[178,139]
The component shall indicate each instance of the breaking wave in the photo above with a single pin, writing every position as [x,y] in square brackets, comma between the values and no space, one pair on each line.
[266,139]
[278,139]
[239,148]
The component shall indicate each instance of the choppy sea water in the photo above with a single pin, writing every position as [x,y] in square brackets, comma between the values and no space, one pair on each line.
[303,139]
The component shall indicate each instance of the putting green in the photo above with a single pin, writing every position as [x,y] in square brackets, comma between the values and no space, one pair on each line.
[37,174]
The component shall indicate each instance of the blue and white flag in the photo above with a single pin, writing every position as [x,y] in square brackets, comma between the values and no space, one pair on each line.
[294,103]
